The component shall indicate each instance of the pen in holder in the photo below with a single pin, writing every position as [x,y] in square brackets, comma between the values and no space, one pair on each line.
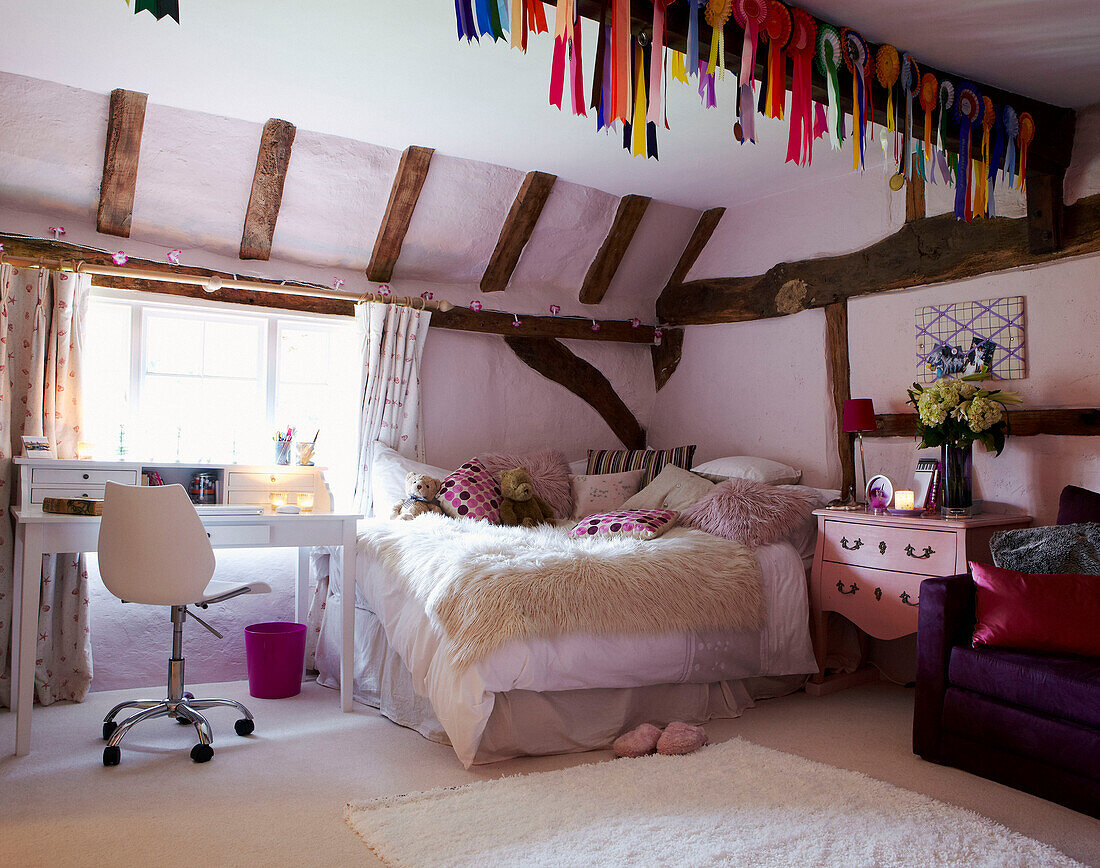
[305,453]
[283,443]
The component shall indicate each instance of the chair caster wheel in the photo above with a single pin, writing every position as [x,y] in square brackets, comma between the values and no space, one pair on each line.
[189,696]
[109,728]
[244,726]
[112,755]
[200,753]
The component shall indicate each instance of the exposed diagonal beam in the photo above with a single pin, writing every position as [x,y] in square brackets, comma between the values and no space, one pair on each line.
[517,229]
[602,270]
[411,174]
[933,250]
[708,222]
[839,373]
[266,198]
[666,356]
[125,123]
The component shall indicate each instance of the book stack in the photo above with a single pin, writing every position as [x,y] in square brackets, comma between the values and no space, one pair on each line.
[72,506]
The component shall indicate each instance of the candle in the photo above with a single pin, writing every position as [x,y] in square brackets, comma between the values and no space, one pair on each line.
[305,501]
[278,498]
[903,500]
[84,450]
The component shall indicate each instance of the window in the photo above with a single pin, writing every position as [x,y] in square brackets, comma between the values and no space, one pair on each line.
[171,381]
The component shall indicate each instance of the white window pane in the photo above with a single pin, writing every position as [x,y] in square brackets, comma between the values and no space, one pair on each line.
[304,355]
[173,345]
[107,386]
[232,349]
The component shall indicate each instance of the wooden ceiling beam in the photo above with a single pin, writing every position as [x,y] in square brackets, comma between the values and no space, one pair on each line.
[704,229]
[666,356]
[125,124]
[839,376]
[412,171]
[1081,422]
[517,229]
[602,270]
[933,250]
[914,199]
[266,198]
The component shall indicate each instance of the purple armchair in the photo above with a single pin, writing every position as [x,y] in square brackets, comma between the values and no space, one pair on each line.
[1026,719]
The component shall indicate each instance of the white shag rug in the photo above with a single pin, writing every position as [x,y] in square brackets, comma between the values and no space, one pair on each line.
[733,803]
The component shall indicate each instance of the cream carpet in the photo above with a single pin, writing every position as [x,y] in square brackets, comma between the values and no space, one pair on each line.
[728,804]
[278,797]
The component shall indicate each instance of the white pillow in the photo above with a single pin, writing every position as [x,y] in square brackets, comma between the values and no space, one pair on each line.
[578,467]
[388,471]
[803,536]
[753,469]
[603,492]
[672,488]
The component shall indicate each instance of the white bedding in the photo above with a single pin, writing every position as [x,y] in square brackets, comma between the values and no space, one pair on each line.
[463,701]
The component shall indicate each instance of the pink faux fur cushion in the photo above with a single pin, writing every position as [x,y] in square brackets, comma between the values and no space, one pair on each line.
[749,512]
[549,471]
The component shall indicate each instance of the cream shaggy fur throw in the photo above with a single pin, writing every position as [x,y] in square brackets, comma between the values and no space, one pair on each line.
[733,803]
[488,585]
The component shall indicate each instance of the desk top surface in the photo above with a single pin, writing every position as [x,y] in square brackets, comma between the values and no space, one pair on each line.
[35,515]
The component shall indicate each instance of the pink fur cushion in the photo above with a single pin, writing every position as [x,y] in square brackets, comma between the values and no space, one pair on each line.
[549,471]
[749,512]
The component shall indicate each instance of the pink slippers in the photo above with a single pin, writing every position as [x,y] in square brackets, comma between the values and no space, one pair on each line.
[678,738]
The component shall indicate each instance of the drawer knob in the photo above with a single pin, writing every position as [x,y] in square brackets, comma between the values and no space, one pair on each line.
[852,588]
[928,552]
[905,599]
[858,544]
[86,476]
[882,548]
[878,595]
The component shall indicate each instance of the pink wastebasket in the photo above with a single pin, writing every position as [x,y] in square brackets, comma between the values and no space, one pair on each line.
[275,653]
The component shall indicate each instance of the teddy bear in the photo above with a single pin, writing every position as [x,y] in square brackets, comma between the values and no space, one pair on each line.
[420,491]
[519,503]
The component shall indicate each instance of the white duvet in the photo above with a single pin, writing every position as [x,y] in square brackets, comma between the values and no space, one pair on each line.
[463,701]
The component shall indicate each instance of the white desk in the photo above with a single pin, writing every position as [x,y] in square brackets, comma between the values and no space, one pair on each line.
[38,533]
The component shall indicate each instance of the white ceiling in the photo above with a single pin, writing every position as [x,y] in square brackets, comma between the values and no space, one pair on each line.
[394,74]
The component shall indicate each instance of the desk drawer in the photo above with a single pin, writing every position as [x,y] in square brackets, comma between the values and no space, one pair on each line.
[70,477]
[244,535]
[275,481]
[94,492]
[880,602]
[909,550]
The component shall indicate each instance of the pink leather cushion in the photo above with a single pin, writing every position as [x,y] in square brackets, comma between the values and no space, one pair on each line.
[639,523]
[471,492]
[1056,612]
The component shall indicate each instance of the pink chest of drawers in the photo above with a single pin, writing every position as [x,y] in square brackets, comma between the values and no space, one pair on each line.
[869,567]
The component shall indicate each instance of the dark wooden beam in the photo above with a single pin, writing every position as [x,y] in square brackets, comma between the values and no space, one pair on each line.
[1050,152]
[708,222]
[231,295]
[125,123]
[517,229]
[554,361]
[666,356]
[839,374]
[1045,210]
[411,174]
[602,270]
[491,322]
[933,250]
[1022,423]
[914,199]
[264,202]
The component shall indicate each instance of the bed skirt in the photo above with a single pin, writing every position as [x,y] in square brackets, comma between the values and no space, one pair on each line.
[529,723]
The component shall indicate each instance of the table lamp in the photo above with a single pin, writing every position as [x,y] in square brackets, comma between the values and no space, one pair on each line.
[859,416]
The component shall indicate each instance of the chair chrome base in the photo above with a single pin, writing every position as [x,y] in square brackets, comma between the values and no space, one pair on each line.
[180,706]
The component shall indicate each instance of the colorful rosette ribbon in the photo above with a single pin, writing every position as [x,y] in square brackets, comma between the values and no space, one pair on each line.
[159,8]
[751,16]
[802,47]
[910,84]
[1011,124]
[829,56]
[567,56]
[657,61]
[857,58]
[1025,137]
[777,32]
[929,95]
[969,108]
[639,135]
[693,37]
[996,119]
[717,13]
[948,163]
[983,201]
[887,70]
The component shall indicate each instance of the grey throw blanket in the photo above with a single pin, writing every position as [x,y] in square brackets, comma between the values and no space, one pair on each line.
[1069,548]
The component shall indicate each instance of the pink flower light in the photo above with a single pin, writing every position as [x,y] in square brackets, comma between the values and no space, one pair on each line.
[475,306]
[174,256]
[120,258]
[555,309]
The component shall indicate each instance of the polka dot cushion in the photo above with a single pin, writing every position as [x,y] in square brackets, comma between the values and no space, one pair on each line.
[637,523]
[471,492]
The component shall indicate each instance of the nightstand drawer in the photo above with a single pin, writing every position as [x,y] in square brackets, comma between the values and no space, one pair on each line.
[882,603]
[908,550]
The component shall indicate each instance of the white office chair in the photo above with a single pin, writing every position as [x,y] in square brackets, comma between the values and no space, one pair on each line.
[153,549]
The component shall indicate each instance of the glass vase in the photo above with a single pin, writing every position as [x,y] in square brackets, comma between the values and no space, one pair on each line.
[957,463]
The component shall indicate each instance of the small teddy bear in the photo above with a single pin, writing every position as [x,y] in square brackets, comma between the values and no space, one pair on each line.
[519,503]
[420,491]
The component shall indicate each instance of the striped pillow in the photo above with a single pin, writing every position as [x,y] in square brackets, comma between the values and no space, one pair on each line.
[649,461]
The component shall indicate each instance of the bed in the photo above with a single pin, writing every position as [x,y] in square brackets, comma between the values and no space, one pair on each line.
[535,695]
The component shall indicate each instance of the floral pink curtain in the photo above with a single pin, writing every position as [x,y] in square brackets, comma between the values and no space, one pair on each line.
[42,317]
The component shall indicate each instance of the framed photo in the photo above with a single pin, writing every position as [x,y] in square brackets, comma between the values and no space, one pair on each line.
[924,482]
[36,447]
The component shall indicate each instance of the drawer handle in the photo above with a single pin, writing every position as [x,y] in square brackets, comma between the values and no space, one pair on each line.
[905,599]
[86,476]
[858,544]
[928,552]
[882,548]
[878,595]
[852,588]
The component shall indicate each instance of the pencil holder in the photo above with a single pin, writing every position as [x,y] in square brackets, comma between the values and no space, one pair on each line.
[282,450]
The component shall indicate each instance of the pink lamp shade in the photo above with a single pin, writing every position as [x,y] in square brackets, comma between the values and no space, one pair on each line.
[859,415]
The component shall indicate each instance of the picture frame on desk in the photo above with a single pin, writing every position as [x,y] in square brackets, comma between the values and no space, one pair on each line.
[36,447]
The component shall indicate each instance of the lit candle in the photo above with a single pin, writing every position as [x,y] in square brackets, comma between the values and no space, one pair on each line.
[84,450]
[278,498]
[305,501]
[903,500]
